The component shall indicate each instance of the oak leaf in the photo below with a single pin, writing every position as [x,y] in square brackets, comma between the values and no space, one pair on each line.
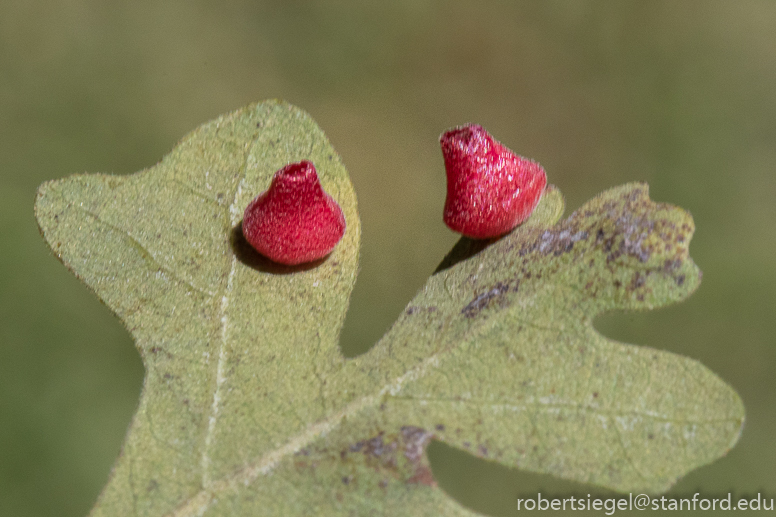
[248,406]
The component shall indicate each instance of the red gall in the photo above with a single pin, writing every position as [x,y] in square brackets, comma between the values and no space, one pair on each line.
[295,220]
[490,189]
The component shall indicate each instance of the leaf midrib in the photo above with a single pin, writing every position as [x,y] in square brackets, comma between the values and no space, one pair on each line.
[234,218]
[197,504]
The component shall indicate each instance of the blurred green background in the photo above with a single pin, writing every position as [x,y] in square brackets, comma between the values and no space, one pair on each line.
[679,94]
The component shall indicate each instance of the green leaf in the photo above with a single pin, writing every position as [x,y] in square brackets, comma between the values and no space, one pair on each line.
[248,406]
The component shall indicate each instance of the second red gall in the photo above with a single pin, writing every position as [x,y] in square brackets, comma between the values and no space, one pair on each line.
[490,189]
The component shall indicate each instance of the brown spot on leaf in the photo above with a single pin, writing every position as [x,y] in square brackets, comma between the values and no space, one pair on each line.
[423,476]
[671,265]
[415,310]
[637,280]
[560,240]
[415,440]
[374,446]
[494,295]
[395,454]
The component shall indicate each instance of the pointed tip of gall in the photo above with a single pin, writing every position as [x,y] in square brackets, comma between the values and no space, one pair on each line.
[490,189]
[295,220]
[466,138]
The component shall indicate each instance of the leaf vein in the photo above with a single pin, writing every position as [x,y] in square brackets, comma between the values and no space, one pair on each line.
[549,406]
[199,502]
[196,192]
[147,255]
[234,215]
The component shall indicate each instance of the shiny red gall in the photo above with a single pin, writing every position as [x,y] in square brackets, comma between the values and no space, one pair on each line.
[295,220]
[490,189]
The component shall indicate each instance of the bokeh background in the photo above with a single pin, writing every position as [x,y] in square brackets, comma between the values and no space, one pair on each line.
[679,94]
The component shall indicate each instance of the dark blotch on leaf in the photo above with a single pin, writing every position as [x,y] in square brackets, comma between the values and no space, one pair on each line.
[374,446]
[561,240]
[423,476]
[415,440]
[495,294]
[638,280]
[413,309]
